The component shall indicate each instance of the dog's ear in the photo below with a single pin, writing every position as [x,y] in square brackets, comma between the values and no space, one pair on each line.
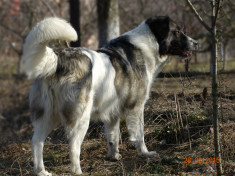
[159,26]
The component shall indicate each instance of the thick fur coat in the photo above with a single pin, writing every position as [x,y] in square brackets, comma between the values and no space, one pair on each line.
[75,85]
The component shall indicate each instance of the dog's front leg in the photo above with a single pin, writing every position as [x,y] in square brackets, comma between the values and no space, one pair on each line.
[112,132]
[135,126]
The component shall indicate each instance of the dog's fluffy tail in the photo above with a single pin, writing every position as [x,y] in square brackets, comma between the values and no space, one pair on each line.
[40,60]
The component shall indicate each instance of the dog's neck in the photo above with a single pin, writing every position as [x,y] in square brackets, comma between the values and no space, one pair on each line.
[143,38]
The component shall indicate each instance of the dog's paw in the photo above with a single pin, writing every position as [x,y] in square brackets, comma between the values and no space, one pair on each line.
[76,170]
[149,154]
[44,173]
[115,157]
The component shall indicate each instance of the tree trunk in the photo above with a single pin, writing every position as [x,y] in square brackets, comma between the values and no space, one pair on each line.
[75,20]
[20,66]
[215,103]
[187,65]
[216,5]
[108,20]
[224,56]
[195,58]
[214,57]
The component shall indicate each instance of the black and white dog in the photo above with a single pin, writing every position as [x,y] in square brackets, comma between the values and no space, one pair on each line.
[76,85]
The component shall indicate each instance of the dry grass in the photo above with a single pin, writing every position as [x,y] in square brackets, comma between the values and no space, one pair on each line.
[174,130]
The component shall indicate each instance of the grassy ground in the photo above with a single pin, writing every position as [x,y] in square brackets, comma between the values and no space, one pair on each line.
[181,133]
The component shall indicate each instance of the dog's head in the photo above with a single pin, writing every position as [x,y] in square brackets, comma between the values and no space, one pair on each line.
[170,37]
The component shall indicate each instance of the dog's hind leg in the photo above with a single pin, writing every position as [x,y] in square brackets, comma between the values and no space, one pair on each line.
[135,126]
[76,134]
[43,121]
[42,127]
[112,132]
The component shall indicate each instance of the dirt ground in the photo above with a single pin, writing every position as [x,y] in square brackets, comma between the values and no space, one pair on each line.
[178,125]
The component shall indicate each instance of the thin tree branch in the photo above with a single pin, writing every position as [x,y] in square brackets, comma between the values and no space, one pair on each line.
[197,15]
[12,30]
[19,52]
[49,7]
[218,6]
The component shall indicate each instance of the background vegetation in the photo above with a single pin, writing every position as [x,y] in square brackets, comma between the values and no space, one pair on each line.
[178,114]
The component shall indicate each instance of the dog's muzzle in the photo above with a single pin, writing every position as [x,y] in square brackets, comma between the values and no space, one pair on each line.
[193,44]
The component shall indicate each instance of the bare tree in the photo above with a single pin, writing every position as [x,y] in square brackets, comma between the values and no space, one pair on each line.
[108,20]
[215,8]
[227,28]
[75,20]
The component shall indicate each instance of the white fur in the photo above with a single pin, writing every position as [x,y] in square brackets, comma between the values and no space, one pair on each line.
[105,95]
[192,43]
[103,100]
[38,59]
[143,38]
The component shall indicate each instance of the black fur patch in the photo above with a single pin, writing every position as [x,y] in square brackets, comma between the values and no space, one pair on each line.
[170,37]
[130,57]
[179,44]
[160,27]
